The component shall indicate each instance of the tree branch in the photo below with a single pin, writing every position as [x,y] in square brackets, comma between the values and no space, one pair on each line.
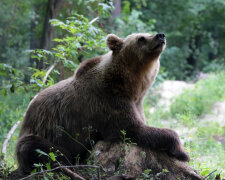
[49,71]
[93,20]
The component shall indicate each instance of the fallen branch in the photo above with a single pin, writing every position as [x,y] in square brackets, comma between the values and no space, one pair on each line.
[6,142]
[62,167]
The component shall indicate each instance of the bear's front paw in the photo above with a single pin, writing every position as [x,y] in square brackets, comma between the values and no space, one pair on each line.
[174,147]
[182,156]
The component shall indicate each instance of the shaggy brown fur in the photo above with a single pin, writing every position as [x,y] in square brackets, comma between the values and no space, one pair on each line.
[105,94]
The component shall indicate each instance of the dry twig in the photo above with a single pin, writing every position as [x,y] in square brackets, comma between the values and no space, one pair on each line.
[72,174]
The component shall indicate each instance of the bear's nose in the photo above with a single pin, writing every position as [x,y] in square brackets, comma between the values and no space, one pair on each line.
[160,36]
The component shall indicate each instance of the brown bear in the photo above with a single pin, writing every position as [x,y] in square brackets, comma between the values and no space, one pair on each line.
[103,97]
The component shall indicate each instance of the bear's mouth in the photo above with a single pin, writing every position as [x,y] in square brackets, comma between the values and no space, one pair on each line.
[159,45]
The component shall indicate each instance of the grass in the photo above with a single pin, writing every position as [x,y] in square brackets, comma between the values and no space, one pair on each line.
[199,137]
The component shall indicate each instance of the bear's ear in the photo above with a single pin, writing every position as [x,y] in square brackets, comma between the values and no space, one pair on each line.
[114,42]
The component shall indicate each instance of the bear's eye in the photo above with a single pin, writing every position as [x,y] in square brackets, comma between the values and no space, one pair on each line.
[141,39]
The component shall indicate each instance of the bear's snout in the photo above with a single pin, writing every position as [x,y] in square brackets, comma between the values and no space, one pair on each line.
[158,43]
[161,36]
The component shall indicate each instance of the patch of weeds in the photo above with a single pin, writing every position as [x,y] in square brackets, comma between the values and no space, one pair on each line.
[188,119]
[200,99]
[46,171]
[206,172]
[206,153]
[126,141]
[147,174]
[4,171]
[209,130]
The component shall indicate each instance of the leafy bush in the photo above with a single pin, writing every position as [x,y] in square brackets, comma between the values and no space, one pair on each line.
[82,37]
[174,62]
[11,79]
[215,66]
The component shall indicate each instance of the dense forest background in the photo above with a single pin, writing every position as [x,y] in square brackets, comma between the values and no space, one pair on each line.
[43,42]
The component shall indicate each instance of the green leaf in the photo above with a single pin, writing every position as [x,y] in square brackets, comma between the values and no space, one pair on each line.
[41,152]
[52,156]
[48,166]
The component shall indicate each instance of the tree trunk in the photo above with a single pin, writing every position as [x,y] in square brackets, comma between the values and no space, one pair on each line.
[117,10]
[52,11]
[34,43]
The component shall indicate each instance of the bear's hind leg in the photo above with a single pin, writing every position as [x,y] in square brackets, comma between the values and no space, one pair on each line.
[27,155]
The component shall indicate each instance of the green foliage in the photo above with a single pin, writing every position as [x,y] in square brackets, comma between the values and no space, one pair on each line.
[14,31]
[81,35]
[105,9]
[11,80]
[216,65]
[194,32]
[194,102]
[126,142]
[132,23]
[174,62]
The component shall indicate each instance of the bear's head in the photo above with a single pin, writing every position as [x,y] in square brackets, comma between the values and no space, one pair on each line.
[141,46]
